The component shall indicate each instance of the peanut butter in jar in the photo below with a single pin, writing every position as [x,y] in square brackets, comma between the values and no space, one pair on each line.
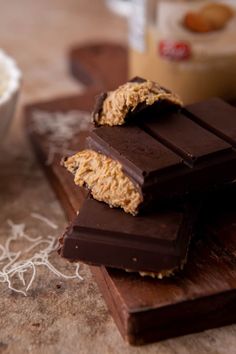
[186,46]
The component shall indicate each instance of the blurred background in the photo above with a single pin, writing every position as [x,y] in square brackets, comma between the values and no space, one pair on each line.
[188,46]
[38,34]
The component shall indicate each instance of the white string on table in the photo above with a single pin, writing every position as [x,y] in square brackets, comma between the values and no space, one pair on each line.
[12,265]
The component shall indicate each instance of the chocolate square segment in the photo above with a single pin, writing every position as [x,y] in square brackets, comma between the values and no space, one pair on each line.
[157,242]
[176,153]
[216,116]
[185,137]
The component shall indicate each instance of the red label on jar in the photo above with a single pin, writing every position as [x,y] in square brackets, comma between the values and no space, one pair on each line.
[174,50]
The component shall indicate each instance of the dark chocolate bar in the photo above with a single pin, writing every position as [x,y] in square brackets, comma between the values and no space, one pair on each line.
[180,152]
[156,243]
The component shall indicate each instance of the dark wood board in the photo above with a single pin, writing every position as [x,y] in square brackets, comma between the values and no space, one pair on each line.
[145,310]
[104,66]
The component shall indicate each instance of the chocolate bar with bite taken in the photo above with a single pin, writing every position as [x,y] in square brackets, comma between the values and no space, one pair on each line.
[136,166]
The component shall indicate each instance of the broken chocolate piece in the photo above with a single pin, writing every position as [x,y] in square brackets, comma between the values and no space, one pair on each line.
[181,152]
[105,179]
[153,244]
[116,107]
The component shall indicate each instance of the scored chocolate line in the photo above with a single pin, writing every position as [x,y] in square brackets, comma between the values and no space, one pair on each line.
[220,120]
[212,129]
[134,148]
[129,143]
[167,146]
[186,138]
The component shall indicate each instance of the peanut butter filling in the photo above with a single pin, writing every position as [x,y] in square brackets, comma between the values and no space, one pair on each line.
[127,97]
[162,274]
[165,273]
[105,179]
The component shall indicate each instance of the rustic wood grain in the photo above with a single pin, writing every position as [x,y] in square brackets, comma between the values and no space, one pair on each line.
[202,296]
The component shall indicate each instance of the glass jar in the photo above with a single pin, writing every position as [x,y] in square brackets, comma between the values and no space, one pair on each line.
[187,46]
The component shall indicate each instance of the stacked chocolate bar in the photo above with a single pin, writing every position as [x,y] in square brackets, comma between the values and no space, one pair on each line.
[144,163]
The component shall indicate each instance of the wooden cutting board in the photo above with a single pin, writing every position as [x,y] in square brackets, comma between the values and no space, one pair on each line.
[202,296]
[104,66]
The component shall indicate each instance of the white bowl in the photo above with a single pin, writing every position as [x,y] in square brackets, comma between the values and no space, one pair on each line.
[10,78]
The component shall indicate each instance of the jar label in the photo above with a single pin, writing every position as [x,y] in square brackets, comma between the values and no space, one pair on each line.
[174,50]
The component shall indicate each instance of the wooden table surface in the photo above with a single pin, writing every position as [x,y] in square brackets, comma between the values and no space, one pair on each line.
[60,316]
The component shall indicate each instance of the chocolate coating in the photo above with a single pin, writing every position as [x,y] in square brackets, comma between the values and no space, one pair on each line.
[155,242]
[180,152]
[98,104]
